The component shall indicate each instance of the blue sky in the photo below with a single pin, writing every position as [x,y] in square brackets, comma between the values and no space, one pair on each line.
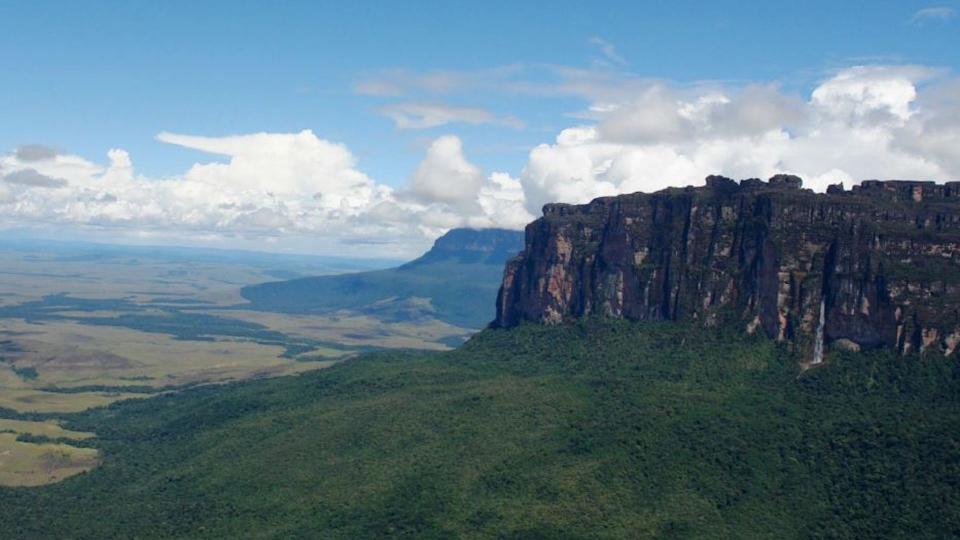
[86,77]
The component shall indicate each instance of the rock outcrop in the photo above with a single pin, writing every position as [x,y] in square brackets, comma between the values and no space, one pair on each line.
[875,266]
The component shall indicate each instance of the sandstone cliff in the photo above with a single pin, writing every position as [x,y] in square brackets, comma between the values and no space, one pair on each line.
[877,266]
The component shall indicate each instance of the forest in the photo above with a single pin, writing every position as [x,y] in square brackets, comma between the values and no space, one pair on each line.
[603,429]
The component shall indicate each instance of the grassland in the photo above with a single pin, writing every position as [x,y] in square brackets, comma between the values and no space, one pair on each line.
[48,455]
[34,464]
[69,354]
[39,401]
[49,430]
[601,430]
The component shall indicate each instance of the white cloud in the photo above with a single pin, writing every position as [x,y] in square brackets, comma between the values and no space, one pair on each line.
[281,163]
[932,14]
[862,122]
[445,175]
[428,115]
[274,187]
[502,202]
[456,193]
[866,95]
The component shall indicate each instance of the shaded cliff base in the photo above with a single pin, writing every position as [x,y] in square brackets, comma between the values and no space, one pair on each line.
[877,266]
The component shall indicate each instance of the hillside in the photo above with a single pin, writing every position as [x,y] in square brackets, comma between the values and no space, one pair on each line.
[455,282]
[604,429]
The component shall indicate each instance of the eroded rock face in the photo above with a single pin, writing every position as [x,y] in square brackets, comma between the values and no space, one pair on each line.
[883,260]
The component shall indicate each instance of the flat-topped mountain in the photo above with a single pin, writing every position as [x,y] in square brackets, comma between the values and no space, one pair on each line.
[455,282]
[875,266]
[472,246]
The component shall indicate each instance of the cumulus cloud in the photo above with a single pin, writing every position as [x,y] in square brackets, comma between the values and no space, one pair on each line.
[861,122]
[428,115]
[502,200]
[287,164]
[865,95]
[445,175]
[272,187]
[455,192]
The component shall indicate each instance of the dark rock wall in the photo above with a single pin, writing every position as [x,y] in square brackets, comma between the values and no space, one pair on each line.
[883,260]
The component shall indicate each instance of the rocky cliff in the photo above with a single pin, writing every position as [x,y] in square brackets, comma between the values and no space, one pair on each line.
[876,266]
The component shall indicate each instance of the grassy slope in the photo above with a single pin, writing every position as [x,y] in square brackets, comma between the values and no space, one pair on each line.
[604,430]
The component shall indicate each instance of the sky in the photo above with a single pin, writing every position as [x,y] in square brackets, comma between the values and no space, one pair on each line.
[370,128]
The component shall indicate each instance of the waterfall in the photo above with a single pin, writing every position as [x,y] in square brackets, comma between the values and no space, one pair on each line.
[818,341]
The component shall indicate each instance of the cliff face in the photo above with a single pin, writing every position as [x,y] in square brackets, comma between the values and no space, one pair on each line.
[878,266]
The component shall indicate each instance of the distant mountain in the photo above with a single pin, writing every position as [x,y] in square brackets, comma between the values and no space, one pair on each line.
[455,282]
